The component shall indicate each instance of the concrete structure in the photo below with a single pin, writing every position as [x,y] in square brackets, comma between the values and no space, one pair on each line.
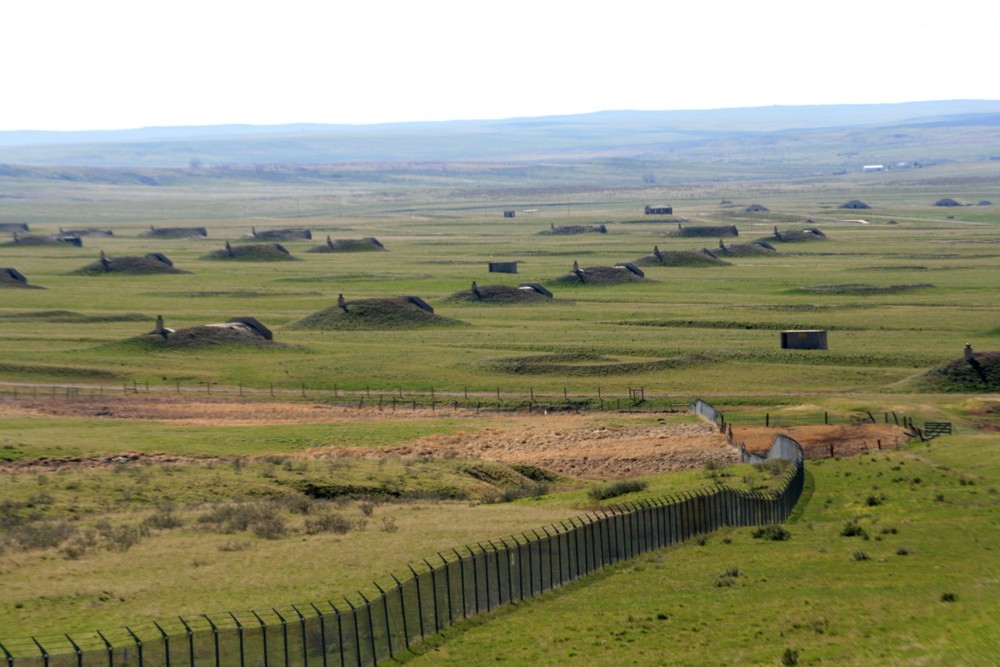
[659,209]
[508,213]
[804,339]
[873,167]
[503,267]
[254,325]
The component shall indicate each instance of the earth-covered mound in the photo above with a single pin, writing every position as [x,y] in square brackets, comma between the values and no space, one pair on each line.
[752,249]
[401,312]
[979,373]
[267,252]
[366,244]
[795,235]
[206,336]
[686,258]
[16,279]
[153,262]
[175,232]
[601,275]
[500,295]
[565,230]
[706,231]
[278,235]
[21,240]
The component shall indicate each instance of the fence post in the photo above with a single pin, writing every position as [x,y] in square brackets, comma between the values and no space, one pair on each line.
[402,609]
[385,614]
[371,629]
[138,644]
[496,563]
[45,654]
[263,635]
[357,632]
[305,646]
[215,636]
[486,571]
[322,630]
[190,636]
[461,566]
[510,573]
[434,595]
[340,633]
[239,631]
[447,587]
[420,603]
[111,649]
[10,658]
[284,633]
[166,644]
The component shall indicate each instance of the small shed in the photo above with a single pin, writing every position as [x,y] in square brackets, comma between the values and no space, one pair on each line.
[659,209]
[508,213]
[804,339]
[503,267]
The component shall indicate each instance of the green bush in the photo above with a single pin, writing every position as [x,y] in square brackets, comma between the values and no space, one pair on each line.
[617,489]
[774,532]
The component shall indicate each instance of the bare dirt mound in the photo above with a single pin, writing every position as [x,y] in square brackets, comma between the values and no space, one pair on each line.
[569,230]
[818,439]
[571,445]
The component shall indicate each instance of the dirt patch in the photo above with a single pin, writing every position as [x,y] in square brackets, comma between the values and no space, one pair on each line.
[817,439]
[571,445]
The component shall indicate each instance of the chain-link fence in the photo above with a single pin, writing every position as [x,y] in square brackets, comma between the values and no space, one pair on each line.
[433,595]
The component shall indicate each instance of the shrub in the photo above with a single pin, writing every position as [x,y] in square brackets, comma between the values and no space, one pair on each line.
[790,657]
[949,597]
[903,551]
[873,501]
[163,519]
[40,535]
[859,555]
[269,528]
[389,524]
[852,529]
[328,523]
[119,538]
[616,489]
[773,532]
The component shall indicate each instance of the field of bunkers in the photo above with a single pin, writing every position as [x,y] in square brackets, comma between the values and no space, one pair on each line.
[407,414]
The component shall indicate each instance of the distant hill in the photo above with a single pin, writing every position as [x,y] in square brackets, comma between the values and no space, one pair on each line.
[907,131]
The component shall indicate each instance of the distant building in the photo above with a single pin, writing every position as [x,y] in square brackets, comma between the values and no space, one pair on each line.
[873,167]
[659,209]
[508,213]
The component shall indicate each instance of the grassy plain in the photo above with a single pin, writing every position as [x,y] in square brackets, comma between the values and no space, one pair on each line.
[900,293]
[916,585]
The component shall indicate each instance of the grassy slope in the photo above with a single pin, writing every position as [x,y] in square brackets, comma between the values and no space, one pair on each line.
[933,533]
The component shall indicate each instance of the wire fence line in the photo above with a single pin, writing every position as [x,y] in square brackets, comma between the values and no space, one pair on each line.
[434,595]
[633,399]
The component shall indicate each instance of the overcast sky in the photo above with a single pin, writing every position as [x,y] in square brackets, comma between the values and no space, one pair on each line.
[110,64]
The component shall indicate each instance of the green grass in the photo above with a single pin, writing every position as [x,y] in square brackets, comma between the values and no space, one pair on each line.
[810,593]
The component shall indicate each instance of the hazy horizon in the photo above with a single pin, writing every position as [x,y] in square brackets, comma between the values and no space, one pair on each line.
[115,64]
